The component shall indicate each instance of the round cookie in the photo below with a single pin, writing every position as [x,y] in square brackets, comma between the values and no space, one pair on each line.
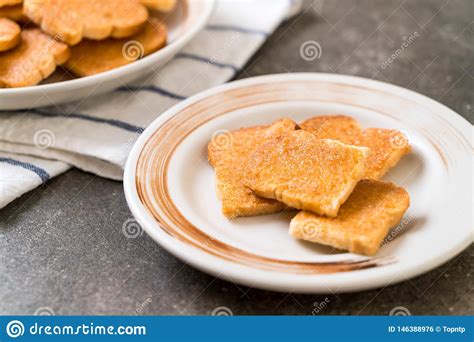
[9,2]
[33,60]
[160,5]
[10,34]
[91,57]
[14,13]
[71,21]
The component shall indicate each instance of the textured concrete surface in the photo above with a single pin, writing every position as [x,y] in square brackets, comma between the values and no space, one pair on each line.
[62,247]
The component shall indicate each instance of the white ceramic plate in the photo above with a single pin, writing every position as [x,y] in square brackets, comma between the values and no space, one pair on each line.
[186,20]
[170,187]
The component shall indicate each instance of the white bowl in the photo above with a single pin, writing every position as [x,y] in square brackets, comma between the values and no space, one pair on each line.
[183,24]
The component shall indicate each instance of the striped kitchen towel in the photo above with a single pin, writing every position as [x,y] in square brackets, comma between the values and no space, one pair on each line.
[97,134]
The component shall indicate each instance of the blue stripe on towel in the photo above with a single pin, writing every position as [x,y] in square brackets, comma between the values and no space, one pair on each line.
[236,29]
[28,166]
[153,89]
[112,122]
[207,60]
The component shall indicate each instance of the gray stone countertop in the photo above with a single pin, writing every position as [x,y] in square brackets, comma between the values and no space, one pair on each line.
[62,247]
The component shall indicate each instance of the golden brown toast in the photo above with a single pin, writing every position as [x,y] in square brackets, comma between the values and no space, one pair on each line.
[4,3]
[336,127]
[91,57]
[160,5]
[305,172]
[362,222]
[386,146]
[228,153]
[73,20]
[34,59]
[10,34]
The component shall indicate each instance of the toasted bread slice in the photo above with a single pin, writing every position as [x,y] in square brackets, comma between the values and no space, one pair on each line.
[228,153]
[34,59]
[10,34]
[305,172]
[160,5]
[362,222]
[14,13]
[73,20]
[386,146]
[4,3]
[336,127]
[91,57]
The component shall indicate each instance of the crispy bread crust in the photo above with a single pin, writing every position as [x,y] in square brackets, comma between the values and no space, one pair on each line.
[363,221]
[305,172]
[386,146]
[228,153]
[336,127]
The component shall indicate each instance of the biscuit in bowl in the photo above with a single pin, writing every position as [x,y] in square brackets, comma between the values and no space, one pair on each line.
[4,3]
[10,34]
[73,20]
[160,5]
[91,57]
[34,59]
[14,13]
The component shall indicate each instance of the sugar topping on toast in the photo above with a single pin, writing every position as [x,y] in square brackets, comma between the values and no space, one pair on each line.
[305,172]
[386,146]
[228,153]
[363,220]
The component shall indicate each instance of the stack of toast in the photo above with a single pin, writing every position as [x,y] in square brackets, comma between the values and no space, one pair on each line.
[327,167]
[85,37]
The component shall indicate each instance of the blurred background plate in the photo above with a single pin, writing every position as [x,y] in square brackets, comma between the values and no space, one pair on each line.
[186,20]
